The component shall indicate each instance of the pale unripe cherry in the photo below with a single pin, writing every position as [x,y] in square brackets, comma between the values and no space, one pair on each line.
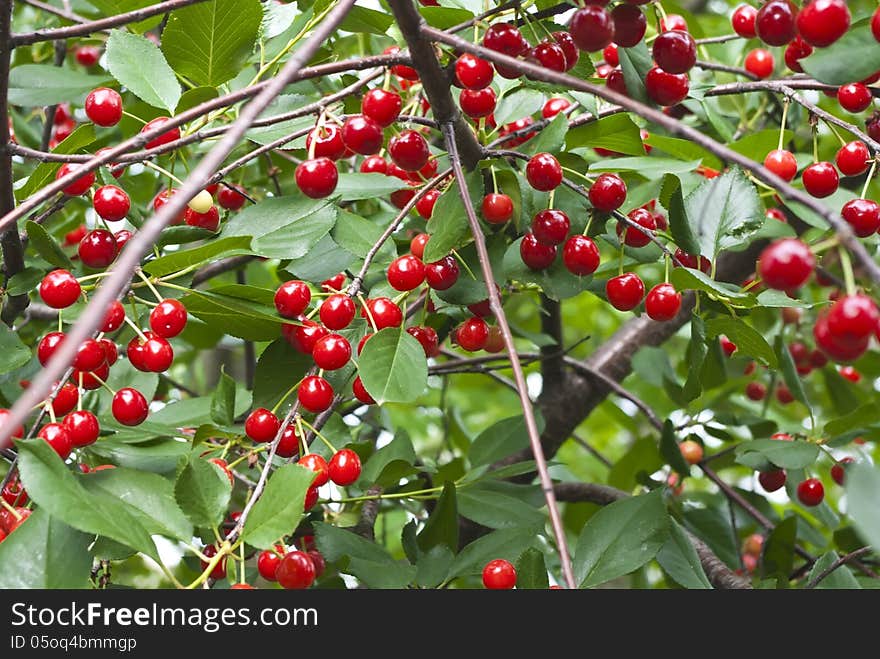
[202,202]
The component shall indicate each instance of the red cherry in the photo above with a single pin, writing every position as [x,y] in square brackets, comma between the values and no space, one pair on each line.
[852,158]
[87,56]
[625,291]
[675,51]
[153,355]
[91,380]
[316,178]
[497,208]
[786,264]
[822,22]
[427,337]
[547,54]
[384,313]
[851,374]
[425,205]
[837,347]
[14,494]
[610,55]
[760,62]
[795,52]
[318,464]
[544,172]
[59,289]
[536,255]
[633,236]
[821,179]
[168,318]
[209,221]
[505,38]
[89,355]
[288,445]
[838,471]
[472,334]
[673,22]
[863,215]
[408,150]
[374,165]
[83,428]
[331,352]
[872,126]
[592,28]
[337,311]
[772,480]
[663,302]
[292,298]
[48,345]
[315,394]
[554,106]
[854,97]
[666,89]
[325,142]
[810,492]
[65,399]
[58,438]
[692,261]
[170,135]
[345,467]
[782,163]
[104,106]
[473,72]
[129,407]
[630,25]
[303,337]
[381,106]
[360,392]
[550,227]
[477,103]
[163,198]
[362,135]
[853,318]
[111,203]
[406,273]
[295,571]
[81,185]
[569,48]
[219,570]
[334,284]
[580,255]
[267,564]
[401,70]
[261,425]
[756,391]
[230,199]
[743,21]
[875,24]
[442,275]
[607,193]
[97,249]
[775,23]
[499,574]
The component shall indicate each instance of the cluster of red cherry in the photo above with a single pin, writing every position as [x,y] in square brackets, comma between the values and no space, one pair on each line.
[292,569]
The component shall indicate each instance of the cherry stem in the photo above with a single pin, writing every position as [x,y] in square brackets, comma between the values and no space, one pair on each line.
[869,178]
[146,280]
[50,411]
[782,124]
[589,223]
[162,171]
[836,133]
[369,312]
[134,116]
[846,264]
[136,329]
[286,396]
[11,509]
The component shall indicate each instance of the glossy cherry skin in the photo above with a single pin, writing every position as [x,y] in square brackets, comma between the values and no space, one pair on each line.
[592,28]
[409,150]
[543,172]
[406,273]
[499,574]
[48,345]
[317,178]
[625,292]
[607,193]
[303,337]
[261,425]
[786,264]
[535,254]
[836,347]
[325,142]
[331,352]
[230,199]
[760,62]
[875,24]
[425,205]
[59,289]
[111,203]
[782,163]
[505,38]
[665,88]
[554,106]
[580,255]
[104,106]
[822,22]
[382,106]
[497,208]
[743,21]
[854,97]
[821,179]
[634,237]
[772,480]
[209,221]
[168,318]
[473,72]
[853,318]
[472,334]
[292,298]
[315,394]
[87,55]
[775,23]
[154,355]
[811,492]
[630,25]
[362,135]
[337,311]
[66,399]
[97,249]
[89,356]
[569,48]
[81,185]
[288,445]
[83,428]
[756,391]
[477,103]
[547,55]
[863,215]
[427,337]
[795,52]
[852,158]
[383,312]
[442,275]
[58,438]
[219,570]
[838,471]
[296,571]
[318,464]
[663,302]
[170,135]
[129,407]
[551,227]
[163,198]
[344,467]
[675,51]
[267,564]
[360,392]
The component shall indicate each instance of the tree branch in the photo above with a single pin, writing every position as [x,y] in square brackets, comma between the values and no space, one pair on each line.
[843,560]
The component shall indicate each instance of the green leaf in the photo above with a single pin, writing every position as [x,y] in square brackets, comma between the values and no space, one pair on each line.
[43,84]
[208,43]
[696,353]
[642,456]
[444,17]
[747,339]
[862,495]
[278,369]
[518,104]
[853,57]
[757,145]
[433,566]
[202,490]
[393,367]
[499,440]
[13,352]
[25,281]
[355,186]
[556,281]
[442,526]
[678,221]
[448,226]
[508,544]
[138,64]
[683,150]
[783,454]
[366,560]
[223,400]
[531,572]
[45,172]
[789,371]
[232,315]
[47,554]
[391,462]
[670,451]
[496,510]
[52,486]
[616,133]
[212,251]
[690,279]
[649,167]
[283,227]
[195,96]
[861,417]
[321,262]
[150,494]
[680,560]
[635,63]
[278,511]
[840,579]
[777,558]
[363,20]
[620,538]
[357,236]
[551,139]
[46,246]
[724,212]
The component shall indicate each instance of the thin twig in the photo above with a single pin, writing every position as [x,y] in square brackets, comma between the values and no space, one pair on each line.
[843,560]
